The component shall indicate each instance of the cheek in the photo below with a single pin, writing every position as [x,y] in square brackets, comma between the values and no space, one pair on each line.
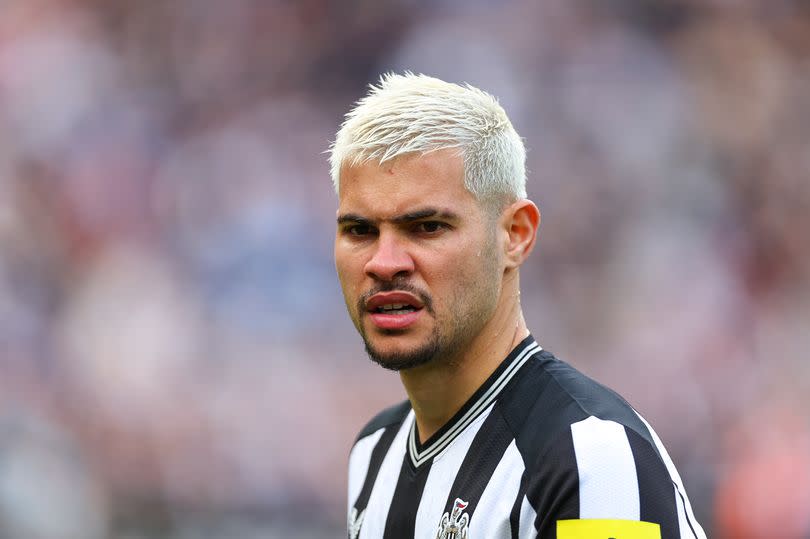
[344,257]
[350,273]
[345,276]
[342,265]
[458,272]
[477,269]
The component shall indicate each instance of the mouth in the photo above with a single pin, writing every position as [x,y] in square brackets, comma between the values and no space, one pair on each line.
[394,310]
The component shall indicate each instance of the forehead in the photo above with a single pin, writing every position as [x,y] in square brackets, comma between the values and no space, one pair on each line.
[396,186]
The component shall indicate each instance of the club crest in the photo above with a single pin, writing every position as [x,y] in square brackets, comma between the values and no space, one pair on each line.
[454,523]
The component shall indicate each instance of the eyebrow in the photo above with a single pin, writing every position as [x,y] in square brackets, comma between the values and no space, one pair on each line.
[352,218]
[405,218]
[425,213]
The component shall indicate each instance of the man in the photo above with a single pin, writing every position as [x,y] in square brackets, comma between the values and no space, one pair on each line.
[498,438]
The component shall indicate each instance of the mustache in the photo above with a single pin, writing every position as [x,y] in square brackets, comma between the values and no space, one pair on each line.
[398,286]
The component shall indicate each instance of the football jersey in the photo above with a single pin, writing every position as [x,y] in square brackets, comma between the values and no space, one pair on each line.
[539,450]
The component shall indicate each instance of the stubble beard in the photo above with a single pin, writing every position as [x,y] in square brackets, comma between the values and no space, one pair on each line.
[401,360]
[441,345]
[470,313]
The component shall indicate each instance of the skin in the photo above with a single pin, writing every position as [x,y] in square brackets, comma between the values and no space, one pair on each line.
[410,224]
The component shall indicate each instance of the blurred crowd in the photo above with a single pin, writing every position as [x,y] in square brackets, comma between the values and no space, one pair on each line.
[175,357]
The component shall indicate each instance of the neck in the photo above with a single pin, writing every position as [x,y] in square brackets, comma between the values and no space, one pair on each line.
[439,389]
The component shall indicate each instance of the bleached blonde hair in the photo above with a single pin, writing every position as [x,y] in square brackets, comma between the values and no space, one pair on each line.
[410,113]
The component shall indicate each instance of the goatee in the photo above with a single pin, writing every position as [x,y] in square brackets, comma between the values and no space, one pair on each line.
[399,361]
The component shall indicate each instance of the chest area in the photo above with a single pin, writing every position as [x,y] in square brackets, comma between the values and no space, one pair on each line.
[470,486]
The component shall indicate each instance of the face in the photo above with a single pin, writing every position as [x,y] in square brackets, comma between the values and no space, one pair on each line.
[417,257]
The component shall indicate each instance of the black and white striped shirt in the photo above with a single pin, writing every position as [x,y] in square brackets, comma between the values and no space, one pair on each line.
[537,448]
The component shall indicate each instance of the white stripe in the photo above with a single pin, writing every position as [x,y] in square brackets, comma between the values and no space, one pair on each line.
[359,460]
[680,490]
[485,400]
[608,484]
[440,480]
[383,491]
[491,516]
[683,523]
[528,515]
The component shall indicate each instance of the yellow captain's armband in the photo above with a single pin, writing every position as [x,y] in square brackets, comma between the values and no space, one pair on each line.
[607,529]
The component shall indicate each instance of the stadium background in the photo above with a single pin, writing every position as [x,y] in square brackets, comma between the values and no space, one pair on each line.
[175,359]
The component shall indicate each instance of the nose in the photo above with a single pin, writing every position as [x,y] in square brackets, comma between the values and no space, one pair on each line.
[390,259]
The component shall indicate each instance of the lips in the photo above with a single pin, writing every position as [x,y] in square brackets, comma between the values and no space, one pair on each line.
[394,310]
[386,300]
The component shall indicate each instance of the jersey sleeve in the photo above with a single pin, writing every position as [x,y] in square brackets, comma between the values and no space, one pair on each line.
[609,475]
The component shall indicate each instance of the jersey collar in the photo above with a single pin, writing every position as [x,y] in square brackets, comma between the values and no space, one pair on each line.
[474,407]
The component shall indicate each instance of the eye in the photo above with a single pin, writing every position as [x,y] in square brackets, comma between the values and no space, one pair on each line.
[430,227]
[358,230]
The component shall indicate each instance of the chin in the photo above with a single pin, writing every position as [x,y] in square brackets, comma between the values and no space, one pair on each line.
[399,358]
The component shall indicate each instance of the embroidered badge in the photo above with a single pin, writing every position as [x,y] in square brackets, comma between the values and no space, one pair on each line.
[355,522]
[454,523]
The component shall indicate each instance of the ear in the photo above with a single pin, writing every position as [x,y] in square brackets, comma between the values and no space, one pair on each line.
[520,221]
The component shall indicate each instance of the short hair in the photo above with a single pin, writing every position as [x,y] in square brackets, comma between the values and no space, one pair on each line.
[410,113]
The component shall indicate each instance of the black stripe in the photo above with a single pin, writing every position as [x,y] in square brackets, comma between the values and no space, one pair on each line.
[553,488]
[539,409]
[392,415]
[686,513]
[377,456]
[401,521]
[656,490]
[514,516]
[485,452]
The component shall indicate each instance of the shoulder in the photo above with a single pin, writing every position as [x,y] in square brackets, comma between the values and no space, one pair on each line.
[552,399]
[393,415]
[589,454]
